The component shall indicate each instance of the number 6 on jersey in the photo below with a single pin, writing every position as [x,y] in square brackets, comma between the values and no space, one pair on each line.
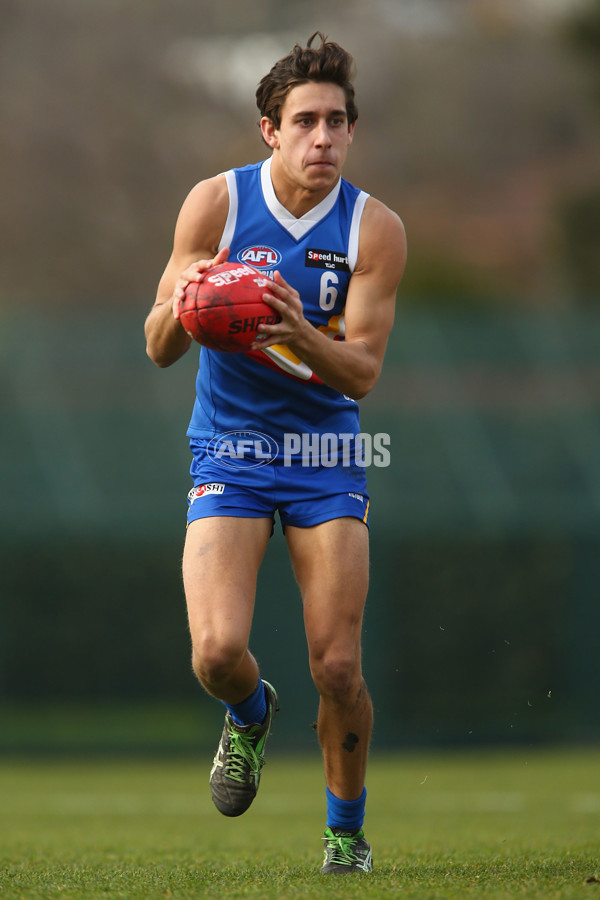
[328,294]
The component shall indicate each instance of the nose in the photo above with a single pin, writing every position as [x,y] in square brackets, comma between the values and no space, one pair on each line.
[322,136]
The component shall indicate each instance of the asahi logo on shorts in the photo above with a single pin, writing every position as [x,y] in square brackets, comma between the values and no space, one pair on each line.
[202,490]
[327,259]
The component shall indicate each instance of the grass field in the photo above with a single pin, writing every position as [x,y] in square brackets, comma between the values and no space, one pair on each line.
[496,825]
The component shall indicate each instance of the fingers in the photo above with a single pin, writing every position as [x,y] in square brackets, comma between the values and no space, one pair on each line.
[221,257]
[195,272]
[285,301]
[281,295]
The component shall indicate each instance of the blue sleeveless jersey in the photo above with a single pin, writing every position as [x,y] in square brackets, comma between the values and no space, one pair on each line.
[272,391]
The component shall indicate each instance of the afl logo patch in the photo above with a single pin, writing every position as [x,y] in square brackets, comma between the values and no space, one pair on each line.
[243,449]
[260,256]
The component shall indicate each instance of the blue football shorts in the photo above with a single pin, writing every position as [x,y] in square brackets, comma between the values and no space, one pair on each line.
[302,495]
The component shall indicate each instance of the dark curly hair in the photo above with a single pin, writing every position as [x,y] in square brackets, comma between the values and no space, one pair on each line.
[329,62]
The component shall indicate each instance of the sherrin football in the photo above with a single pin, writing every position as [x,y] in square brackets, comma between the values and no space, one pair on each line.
[225,310]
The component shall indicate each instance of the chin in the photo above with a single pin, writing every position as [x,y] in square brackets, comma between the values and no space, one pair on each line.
[323,177]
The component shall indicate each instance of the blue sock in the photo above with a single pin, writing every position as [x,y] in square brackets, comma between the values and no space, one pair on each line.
[251,710]
[348,815]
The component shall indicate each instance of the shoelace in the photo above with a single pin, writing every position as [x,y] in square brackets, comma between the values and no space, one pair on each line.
[342,849]
[241,755]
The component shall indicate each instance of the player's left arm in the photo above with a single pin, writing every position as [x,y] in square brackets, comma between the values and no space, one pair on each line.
[351,366]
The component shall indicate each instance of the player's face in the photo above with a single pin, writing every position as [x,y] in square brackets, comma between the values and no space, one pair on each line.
[314,135]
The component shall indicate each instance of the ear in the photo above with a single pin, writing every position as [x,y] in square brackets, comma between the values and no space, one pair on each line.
[351,132]
[269,132]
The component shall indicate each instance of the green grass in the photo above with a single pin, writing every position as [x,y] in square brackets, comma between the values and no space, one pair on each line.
[524,824]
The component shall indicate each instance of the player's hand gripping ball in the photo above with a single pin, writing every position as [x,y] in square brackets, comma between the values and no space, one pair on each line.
[225,310]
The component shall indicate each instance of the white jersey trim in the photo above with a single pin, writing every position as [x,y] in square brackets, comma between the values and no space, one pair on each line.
[229,230]
[296,227]
[355,229]
[298,369]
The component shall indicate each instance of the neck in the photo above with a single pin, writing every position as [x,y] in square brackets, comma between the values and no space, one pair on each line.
[297,198]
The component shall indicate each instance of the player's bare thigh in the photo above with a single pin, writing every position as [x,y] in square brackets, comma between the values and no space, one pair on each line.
[221,559]
[331,565]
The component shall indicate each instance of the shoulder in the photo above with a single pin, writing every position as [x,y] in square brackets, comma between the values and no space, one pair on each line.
[382,238]
[203,214]
[212,195]
[378,221]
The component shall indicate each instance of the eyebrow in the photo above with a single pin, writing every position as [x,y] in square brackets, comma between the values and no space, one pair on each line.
[311,112]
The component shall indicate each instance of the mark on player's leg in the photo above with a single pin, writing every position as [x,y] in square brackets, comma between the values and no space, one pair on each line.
[350,742]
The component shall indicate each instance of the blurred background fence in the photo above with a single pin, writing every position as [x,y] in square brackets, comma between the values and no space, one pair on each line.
[479,124]
[483,617]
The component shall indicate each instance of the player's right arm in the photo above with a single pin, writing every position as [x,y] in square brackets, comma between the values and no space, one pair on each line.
[195,248]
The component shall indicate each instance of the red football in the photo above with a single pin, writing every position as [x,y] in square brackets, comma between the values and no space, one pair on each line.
[225,309]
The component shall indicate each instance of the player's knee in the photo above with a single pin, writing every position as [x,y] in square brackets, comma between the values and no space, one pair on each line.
[214,663]
[336,676]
